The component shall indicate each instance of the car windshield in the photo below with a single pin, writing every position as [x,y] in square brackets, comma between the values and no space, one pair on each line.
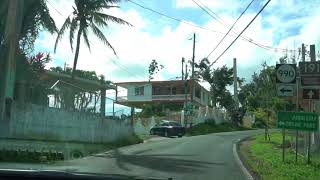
[174,124]
[181,89]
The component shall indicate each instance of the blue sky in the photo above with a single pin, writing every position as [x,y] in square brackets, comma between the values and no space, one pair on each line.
[283,24]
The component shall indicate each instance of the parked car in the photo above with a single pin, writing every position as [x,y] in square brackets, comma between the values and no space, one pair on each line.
[168,128]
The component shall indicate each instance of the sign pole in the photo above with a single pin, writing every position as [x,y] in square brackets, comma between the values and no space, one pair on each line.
[309,134]
[283,140]
[283,137]
[297,109]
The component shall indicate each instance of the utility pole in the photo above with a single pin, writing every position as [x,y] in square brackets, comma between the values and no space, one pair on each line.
[182,61]
[185,93]
[303,53]
[312,53]
[192,72]
[8,53]
[235,84]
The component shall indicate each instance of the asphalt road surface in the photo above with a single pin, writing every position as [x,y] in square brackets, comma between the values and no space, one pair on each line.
[204,157]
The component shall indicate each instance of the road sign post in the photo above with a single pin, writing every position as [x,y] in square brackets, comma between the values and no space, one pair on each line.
[304,121]
[286,73]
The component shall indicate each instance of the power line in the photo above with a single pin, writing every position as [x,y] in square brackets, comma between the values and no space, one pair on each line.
[54,8]
[172,18]
[229,28]
[126,70]
[207,29]
[246,38]
[240,33]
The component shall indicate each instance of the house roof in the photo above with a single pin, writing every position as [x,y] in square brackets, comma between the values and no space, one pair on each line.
[167,82]
[89,85]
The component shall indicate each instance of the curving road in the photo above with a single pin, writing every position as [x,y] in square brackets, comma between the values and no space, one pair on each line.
[198,157]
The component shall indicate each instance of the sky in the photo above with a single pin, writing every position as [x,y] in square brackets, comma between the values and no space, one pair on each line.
[284,24]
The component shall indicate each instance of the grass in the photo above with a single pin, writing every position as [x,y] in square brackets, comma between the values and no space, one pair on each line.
[265,159]
[207,128]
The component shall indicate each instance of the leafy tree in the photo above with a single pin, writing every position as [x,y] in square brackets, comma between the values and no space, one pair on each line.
[29,71]
[89,75]
[35,17]
[218,79]
[88,14]
[154,68]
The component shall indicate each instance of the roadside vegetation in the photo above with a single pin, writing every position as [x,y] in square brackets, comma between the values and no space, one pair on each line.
[207,128]
[265,160]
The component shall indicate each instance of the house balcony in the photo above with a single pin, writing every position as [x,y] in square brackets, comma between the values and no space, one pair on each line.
[178,98]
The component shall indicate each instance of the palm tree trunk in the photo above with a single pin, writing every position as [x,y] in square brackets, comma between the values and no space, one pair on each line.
[75,60]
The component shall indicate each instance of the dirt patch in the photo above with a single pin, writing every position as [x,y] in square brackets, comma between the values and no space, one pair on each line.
[245,154]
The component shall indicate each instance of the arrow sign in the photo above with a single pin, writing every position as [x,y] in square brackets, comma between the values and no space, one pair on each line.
[310,93]
[285,89]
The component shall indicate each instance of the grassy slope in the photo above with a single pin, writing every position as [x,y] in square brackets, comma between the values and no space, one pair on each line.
[265,158]
[205,128]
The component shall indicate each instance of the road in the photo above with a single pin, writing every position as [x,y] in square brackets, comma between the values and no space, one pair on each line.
[198,157]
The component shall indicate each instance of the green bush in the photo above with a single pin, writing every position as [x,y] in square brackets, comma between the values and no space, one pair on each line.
[207,128]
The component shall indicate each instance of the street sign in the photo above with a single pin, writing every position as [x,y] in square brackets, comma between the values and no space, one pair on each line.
[285,89]
[310,93]
[305,121]
[309,68]
[286,73]
[310,80]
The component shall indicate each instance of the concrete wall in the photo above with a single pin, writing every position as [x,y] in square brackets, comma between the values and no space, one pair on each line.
[201,115]
[147,93]
[43,123]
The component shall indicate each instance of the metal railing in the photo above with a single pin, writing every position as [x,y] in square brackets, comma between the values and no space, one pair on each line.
[170,97]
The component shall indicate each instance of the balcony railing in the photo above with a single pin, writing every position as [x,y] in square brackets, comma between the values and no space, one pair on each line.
[175,97]
[170,97]
[122,98]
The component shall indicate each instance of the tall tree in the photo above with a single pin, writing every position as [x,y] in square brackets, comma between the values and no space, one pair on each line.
[88,14]
[35,16]
[154,68]
[218,79]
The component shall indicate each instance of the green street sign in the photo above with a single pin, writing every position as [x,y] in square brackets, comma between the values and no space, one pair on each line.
[304,121]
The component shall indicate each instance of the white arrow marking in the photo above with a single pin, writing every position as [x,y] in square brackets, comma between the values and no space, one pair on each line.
[310,94]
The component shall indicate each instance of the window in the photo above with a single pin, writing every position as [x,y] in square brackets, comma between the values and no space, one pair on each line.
[174,90]
[139,91]
[156,91]
[198,92]
[203,96]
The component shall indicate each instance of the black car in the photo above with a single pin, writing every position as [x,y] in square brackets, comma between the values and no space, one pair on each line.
[167,129]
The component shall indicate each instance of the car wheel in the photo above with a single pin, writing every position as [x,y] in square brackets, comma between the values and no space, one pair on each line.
[166,133]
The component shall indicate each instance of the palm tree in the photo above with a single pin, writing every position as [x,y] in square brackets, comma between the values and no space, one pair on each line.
[87,14]
[35,15]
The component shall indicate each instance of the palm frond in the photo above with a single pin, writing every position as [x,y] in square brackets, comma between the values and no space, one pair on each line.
[107,17]
[100,35]
[99,21]
[46,20]
[97,5]
[65,26]
[86,39]
[73,27]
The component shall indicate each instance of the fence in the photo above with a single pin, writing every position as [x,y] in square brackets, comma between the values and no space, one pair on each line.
[36,122]
[201,115]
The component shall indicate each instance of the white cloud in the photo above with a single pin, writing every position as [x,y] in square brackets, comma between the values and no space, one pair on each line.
[137,46]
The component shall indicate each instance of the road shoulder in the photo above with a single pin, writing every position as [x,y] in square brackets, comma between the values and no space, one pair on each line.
[247,171]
